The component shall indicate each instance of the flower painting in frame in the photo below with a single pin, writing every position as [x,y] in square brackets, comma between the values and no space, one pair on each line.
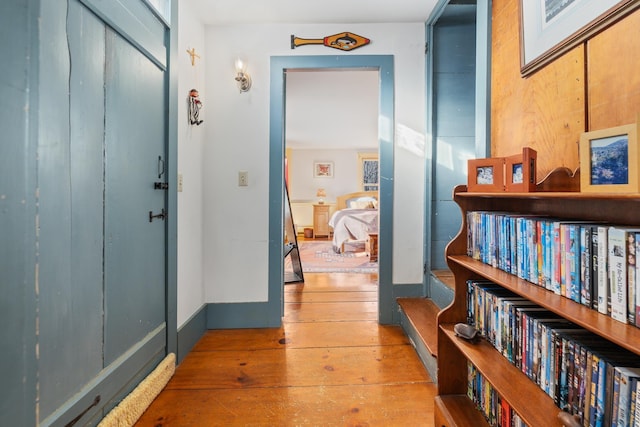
[323,169]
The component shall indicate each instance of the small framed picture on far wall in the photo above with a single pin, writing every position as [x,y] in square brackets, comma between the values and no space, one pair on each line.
[323,169]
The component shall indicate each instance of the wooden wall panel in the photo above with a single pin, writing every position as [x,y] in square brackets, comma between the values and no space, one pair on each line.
[614,81]
[545,111]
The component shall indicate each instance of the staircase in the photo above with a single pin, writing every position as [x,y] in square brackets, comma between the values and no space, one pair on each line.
[418,317]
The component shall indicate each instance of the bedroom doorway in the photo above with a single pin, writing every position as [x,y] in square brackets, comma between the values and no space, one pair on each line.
[331,119]
[383,66]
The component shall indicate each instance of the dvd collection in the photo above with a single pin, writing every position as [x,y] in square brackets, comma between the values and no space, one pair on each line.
[586,375]
[496,410]
[593,264]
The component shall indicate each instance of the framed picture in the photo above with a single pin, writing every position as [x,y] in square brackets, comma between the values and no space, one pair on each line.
[485,175]
[323,169]
[609,160]
[368,171]
[550,28]
[520,172]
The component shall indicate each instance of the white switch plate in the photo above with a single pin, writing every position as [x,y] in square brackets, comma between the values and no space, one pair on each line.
[243,178]
[179,183]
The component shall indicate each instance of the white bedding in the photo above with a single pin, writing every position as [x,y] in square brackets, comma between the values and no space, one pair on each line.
[352,224]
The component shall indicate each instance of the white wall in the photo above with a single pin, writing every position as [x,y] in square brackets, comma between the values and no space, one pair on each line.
[303,186]
[237,139]
[191,140]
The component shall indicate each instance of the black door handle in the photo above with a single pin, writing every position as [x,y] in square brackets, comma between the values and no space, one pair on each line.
[162,215]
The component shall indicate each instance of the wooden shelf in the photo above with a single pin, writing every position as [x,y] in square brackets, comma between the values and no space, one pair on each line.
[619,209]
[624,335]
[454,410]
[533,405]
[526,398]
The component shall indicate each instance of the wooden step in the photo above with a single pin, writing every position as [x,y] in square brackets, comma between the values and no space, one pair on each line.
[422,314]
[445,276]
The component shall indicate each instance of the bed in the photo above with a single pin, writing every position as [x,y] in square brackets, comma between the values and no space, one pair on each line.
[355,217]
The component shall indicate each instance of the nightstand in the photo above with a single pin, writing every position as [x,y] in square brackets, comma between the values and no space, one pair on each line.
[371,247]
[321,220]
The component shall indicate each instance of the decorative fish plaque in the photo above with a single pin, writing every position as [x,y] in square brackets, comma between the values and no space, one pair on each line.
[343,41]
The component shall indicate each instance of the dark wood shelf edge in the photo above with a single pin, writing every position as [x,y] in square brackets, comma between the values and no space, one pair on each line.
[613,208]
[422,313]
[534,406]
[457,410]
[624,335]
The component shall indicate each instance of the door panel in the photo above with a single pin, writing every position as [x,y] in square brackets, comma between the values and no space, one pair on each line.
[100,287]
[134,245]
[71,235]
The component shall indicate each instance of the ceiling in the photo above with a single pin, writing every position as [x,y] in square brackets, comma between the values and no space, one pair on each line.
[222,12]
[325,109]
[332,109]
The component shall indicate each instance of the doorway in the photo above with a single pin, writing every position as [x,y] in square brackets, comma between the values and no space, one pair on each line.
[279,67]
[331,118]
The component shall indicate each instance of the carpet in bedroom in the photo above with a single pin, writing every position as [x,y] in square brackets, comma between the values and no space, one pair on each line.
[319,257]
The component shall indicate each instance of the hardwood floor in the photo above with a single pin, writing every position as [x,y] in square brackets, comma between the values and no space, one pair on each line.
[330,364]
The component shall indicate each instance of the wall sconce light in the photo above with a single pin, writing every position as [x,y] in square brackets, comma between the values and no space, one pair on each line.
[321,194]
[242,77]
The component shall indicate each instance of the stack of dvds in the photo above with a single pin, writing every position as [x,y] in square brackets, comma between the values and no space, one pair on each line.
[496,410]
[593,264]
[582,372]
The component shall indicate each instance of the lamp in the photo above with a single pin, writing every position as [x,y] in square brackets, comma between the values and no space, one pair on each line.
[242,77]
[321,194]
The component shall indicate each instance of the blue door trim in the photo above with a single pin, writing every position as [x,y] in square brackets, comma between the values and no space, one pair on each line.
[386,130]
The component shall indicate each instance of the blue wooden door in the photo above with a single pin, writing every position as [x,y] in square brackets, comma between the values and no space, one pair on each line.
[102,262]
[134,160]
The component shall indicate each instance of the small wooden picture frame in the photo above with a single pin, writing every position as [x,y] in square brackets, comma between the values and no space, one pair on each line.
[323,169]
[485,175]
[609,160]
[520,172]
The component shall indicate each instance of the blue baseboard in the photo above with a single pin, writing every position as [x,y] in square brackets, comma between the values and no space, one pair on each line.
[244,315]
[440,293]
[189,333]
[112,384]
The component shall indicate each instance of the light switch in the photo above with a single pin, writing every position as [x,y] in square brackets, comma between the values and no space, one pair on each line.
[243,178]
[179,183]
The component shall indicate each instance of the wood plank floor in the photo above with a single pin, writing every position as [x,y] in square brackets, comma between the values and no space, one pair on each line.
[330,364]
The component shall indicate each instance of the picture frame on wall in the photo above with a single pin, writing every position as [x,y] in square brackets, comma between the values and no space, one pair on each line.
[485,175]
[520,171]
[368,171]
[550,28]
[609,160]
[323,169]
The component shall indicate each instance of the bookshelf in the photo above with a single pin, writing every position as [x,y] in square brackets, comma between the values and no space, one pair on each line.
[531,403]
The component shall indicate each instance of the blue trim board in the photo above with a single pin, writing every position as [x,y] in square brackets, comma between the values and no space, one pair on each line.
[172,175]
[136,22]
[279,65]
[129,369]
[191,332]
[483,78]
[241,315]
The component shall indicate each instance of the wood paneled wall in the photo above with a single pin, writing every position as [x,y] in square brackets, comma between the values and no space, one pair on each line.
[596,85]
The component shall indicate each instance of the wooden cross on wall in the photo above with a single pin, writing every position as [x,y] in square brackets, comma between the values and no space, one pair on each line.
[194,55]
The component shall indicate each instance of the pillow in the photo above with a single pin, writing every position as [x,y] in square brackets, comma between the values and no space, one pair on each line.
[363,203]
